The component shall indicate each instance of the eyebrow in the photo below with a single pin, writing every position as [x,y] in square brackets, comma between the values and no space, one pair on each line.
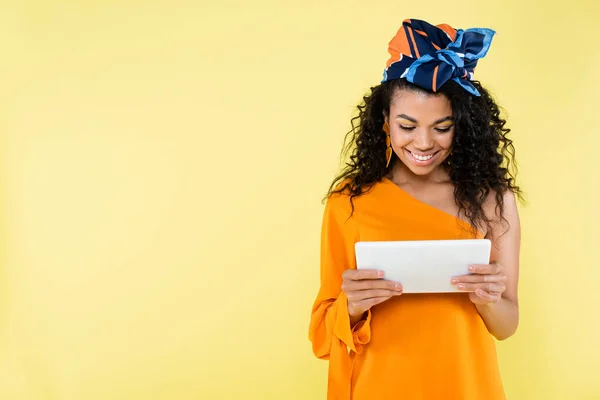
[411,119]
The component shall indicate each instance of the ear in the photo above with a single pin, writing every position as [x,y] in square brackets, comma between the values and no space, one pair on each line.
[386,125]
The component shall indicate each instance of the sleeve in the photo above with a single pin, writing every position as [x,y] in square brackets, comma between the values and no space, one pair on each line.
[330,322]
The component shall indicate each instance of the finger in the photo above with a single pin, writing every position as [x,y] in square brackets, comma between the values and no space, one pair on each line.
[367,304]
[361,274]
[475,278]
[371,294]
[371,284]
[491,297]
[486,269]
[490,287]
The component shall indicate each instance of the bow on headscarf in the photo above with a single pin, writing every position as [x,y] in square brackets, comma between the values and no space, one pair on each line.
[429,56]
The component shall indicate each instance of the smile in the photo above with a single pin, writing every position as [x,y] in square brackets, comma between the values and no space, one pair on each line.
[421,158]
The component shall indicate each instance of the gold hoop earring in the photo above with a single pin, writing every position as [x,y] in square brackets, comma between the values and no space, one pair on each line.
[388,144]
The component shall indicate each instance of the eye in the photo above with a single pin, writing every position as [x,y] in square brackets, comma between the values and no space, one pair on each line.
[407,128]
[444,130]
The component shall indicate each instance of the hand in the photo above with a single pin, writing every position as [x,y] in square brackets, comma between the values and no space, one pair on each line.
[366,288]
[485,284]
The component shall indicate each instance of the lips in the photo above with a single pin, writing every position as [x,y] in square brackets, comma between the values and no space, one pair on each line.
[421,159]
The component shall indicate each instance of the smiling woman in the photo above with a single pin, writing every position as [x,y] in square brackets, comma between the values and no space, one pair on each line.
[422,129]
[429,160]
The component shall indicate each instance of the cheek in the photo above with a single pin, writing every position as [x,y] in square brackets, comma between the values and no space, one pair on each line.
[446,141]
[401,139]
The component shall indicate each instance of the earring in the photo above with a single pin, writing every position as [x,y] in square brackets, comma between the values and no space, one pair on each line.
[447,161]
[388,144]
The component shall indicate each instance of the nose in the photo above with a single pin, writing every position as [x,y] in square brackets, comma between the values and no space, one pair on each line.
[423,140]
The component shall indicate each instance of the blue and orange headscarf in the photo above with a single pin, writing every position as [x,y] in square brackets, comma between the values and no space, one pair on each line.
[429,56]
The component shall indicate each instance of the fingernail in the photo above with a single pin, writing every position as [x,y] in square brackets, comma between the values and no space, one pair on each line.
[471,268]
[380,273]
[461,286]
[454,281]
[397,286]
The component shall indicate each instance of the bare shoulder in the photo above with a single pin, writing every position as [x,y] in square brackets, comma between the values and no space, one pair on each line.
[505,218]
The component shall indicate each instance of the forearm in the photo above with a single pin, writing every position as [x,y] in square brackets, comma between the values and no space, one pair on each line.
[501,318]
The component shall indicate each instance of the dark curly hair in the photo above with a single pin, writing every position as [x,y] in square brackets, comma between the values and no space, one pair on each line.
[482,158]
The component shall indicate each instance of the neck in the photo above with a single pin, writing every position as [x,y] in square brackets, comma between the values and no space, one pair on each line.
[401,174]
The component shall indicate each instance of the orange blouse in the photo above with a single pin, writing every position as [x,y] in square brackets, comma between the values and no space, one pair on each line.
[413,346]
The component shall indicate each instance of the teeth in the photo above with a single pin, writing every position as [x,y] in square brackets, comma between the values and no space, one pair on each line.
[422,158]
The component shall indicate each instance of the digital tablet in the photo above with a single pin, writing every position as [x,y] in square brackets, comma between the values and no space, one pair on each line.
[423,266]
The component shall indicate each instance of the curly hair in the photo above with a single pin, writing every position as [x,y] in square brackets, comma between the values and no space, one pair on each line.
[482,158]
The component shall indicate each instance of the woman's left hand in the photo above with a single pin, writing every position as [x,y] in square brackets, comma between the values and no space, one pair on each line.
[485,284]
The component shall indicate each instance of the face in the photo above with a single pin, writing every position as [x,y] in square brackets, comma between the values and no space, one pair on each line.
[421,129]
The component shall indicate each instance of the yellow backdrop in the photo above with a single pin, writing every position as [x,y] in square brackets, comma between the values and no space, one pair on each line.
[162,170]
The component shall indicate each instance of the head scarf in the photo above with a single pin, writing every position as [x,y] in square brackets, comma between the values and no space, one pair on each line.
[429,56]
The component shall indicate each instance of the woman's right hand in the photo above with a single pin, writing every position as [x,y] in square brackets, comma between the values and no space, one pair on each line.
[366,288]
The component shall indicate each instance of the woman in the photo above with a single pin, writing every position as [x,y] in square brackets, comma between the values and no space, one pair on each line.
[430,161]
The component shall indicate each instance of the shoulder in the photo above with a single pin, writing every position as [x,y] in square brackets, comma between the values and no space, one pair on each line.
[491,204]
[339,202]
[345,204]
[510,202]
[345,193]
[505,218]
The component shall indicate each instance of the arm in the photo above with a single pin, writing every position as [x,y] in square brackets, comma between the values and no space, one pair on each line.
[330,323]
[502,317]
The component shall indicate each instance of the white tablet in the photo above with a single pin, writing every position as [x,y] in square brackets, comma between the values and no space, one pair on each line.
[423,266]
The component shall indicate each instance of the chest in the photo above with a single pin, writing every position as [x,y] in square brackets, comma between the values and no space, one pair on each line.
[439,196]
[409,213]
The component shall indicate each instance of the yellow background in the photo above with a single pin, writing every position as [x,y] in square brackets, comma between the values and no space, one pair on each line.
[162,170]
